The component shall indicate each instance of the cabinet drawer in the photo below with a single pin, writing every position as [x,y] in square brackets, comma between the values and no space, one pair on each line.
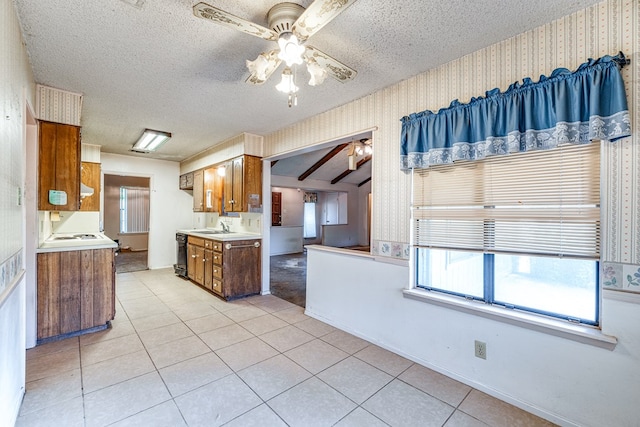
[197,241]
[217,246]
[217,258]
[217,286]
[217,272]
[208,244]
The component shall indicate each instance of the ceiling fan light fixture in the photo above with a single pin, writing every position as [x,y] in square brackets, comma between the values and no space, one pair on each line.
[150,140]
[316,72]
[259,66]
[287,84]
[290,49]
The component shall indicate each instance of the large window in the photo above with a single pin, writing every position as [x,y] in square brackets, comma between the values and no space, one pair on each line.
[134,210]
[521,231]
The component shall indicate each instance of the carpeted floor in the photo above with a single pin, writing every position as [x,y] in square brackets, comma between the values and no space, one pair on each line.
[289,277]
[127,261]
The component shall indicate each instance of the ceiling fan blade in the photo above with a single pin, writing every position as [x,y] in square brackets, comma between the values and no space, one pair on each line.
[208,12]
[262,67]
[317,15]
[335,68]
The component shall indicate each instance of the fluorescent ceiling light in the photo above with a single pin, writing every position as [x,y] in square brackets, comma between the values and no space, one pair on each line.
[150,140]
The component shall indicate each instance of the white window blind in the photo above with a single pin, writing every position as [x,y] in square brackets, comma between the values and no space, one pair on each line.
[134,210]
[542,202]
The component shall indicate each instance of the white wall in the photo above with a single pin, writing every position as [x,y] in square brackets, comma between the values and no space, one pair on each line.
[170,207]
[288,237]
[563,380]
[17,90]
[333,235]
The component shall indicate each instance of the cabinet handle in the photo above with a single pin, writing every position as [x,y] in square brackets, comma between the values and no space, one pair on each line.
[193,256]
[230,246]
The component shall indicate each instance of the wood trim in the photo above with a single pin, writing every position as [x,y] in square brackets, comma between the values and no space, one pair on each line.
[364,182]
[322,161]
[348,171]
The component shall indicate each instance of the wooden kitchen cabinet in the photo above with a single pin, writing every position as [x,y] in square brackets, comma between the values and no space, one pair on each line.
[75,291]
[186,181]
[212,190]
[198,191]
[58,165]
[242,184]
[195,259]
[241,271]
[90,176]
[230,269]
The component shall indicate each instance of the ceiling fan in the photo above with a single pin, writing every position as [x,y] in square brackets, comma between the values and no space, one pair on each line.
[290,25]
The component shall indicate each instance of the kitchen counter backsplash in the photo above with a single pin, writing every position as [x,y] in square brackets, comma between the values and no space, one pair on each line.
[246,222]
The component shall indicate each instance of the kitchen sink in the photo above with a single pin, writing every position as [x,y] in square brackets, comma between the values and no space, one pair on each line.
[208,232]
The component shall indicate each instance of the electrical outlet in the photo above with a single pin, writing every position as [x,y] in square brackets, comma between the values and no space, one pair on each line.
[481,349]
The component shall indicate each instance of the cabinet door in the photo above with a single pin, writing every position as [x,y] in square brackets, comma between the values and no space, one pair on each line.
[191,261]
[90,176]
[48,291]
[199,267]
[59,165]
[208,269]
[198,191]
[104,281]
[252,180]
[212,190]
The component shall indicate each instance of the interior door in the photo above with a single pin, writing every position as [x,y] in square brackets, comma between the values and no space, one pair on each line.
[276,208]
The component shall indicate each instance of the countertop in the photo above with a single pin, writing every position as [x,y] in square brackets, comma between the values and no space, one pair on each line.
[75,242]
[212,234]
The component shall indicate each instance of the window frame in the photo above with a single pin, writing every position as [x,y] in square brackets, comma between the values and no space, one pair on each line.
[488,287]
[123,209]
[489,269]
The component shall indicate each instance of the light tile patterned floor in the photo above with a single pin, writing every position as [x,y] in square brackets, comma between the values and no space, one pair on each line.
[178,356]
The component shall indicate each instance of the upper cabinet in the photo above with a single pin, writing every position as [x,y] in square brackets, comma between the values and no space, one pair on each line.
[198,189]
[90,176]
[243,184]
[186,181]
[212,190]
[238,189]
[58,167]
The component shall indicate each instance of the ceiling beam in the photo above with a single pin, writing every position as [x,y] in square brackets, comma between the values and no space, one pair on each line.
[348,171]
[364,182]
[322,161]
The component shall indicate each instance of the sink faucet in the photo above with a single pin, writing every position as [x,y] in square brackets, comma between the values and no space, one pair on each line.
[225,227]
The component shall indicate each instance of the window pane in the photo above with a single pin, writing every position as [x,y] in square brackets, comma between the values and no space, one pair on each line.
[309,221]
[566,287]
[451,271]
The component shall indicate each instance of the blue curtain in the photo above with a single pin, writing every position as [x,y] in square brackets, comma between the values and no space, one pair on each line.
[574,107]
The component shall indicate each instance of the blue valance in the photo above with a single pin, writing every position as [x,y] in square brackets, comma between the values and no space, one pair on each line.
[575,107]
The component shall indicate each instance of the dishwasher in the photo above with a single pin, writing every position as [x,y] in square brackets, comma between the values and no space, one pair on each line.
[180,267]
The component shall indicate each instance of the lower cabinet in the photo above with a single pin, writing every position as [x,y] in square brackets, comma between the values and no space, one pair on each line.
[76,291]
[230,269]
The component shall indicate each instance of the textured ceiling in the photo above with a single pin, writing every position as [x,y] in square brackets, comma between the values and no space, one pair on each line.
[158,66]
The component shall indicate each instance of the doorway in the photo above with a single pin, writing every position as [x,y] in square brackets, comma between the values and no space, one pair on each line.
[331,183]
[126,219]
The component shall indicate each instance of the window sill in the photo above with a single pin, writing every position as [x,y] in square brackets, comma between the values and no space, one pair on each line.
[580,333]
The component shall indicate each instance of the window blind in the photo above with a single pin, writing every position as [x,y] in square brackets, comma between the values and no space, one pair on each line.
[134,210]
[543,202]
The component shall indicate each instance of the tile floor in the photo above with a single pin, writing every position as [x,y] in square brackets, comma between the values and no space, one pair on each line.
[178,356]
